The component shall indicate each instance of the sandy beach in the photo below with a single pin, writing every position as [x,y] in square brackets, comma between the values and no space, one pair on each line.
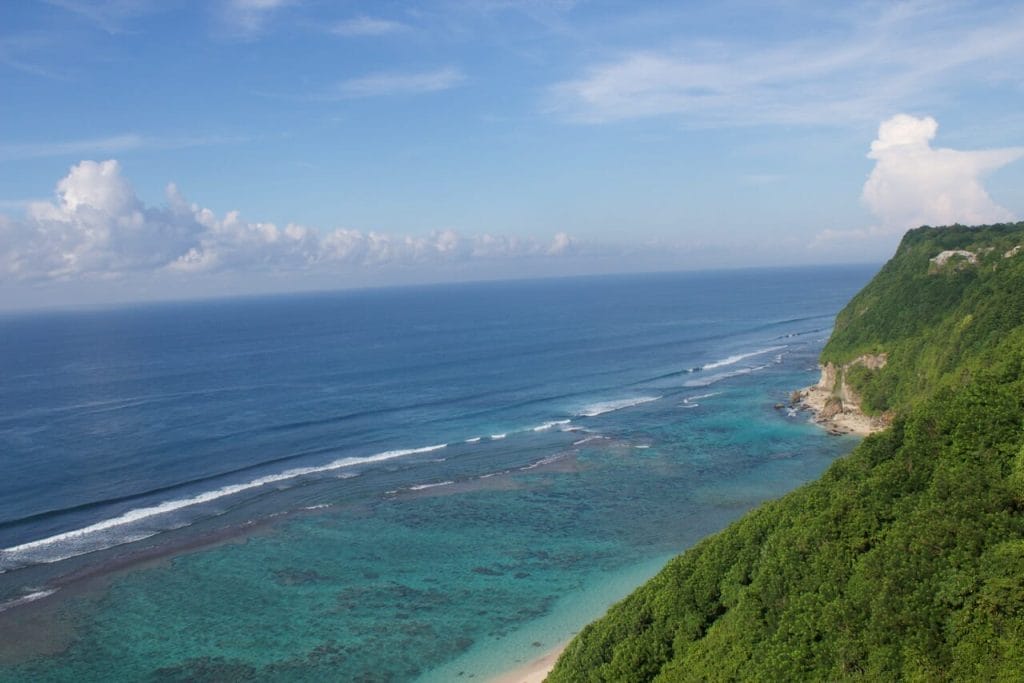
[534,672]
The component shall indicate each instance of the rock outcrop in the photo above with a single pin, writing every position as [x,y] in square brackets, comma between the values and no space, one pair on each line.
[837,405]
[944,256]
[956,259]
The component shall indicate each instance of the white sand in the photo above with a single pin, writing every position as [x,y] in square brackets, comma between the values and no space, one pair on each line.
[534,672]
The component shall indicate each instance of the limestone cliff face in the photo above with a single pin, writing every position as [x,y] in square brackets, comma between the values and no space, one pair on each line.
[836,405]
[833,379]
[828,377]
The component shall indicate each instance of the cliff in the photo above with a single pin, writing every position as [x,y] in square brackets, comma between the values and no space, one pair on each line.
[905,560]
[836,404]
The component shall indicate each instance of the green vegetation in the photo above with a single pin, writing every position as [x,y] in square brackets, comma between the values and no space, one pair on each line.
[906,559]
[933,321]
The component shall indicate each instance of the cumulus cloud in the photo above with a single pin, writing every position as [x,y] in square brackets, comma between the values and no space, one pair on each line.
[915,184]
[97,227]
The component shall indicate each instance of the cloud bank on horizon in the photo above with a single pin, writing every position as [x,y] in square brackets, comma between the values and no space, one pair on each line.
[98,228]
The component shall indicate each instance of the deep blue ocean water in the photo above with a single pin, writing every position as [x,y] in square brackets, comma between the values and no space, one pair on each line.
[429,482]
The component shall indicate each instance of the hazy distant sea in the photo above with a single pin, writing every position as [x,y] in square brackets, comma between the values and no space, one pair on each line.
[383,485]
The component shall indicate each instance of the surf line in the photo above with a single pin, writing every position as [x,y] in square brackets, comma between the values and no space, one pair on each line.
[603,407]
[205,497]
[732,360]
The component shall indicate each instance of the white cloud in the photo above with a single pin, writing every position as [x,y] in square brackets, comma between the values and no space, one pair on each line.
[868,63]
[98,228]
[914,184]
[561,244]
[395,83]
[249,18]
[368,26]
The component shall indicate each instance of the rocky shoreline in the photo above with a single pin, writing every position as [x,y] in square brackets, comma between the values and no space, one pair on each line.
[834,416]
[835,405]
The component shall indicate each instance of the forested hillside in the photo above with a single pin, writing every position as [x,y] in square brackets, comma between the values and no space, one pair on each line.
[906,559]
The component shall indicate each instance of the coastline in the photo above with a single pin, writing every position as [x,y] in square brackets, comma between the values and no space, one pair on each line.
[528,654]
[828,411]
[534,672]
[835,416]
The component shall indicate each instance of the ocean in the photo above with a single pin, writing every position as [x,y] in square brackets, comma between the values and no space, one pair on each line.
[426,483]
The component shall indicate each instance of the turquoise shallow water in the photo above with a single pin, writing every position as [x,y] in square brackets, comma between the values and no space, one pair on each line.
[458,562]
[393,587]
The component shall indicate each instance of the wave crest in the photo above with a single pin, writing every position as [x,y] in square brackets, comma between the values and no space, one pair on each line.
[732,360]
[100,535]
[603,407]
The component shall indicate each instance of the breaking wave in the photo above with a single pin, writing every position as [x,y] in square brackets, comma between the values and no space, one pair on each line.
[603,407]
[124,528]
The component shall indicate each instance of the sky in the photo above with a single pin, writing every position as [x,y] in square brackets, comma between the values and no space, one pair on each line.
[154,149]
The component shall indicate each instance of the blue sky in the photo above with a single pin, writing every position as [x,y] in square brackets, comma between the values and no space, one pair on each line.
[165,148]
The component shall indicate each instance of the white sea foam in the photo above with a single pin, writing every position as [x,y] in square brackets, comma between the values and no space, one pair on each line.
[732,360]
[545,461]
[421,487]
[596,437]
[708,380]
[75,542]
[698,397]
[495,437]
[549,425]
[475,439]
[31,597]
[596,409]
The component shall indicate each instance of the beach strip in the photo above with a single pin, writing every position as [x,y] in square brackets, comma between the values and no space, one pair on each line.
[535,671]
